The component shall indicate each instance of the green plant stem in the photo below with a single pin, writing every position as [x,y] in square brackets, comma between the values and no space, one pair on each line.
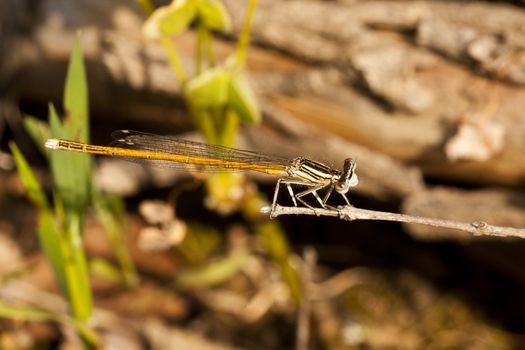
[244,38]
[201,43]
[275,242]
[229,127]
[90,337]
[110,212]
[76,270]
[204,49]
[174,60]
[131,276]
[113,230]
[204,122]
[208,43]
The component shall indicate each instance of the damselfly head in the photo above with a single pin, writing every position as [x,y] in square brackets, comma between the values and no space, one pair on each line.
[348,177]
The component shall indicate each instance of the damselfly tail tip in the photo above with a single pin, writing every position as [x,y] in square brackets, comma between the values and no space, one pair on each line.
[266,209]
[52,143]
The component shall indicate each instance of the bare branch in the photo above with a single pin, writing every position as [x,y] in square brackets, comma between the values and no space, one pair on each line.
[350,213]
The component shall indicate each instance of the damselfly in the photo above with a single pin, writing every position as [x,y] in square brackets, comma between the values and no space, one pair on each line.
[311,176]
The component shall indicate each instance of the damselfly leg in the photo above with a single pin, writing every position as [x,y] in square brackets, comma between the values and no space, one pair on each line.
[311,188]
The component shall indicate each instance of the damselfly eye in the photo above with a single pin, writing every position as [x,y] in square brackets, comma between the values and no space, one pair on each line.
[341,188]
[343,185]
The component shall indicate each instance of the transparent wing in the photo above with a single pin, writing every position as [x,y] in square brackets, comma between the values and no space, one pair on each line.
[220,159]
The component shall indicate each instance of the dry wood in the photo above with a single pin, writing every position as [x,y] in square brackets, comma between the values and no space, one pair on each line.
[380,73]
[414,97]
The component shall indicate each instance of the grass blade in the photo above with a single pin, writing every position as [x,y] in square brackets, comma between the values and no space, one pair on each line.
[47,232]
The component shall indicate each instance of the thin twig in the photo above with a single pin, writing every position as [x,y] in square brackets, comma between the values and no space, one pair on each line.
[350,213]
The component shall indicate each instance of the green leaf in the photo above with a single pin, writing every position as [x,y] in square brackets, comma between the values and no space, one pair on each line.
[38,130]
[199,243]
[47,232]
[71,172]
[76,122]
[31,185]
[211,274]
[242,99]
[276,244]
[111,205]
[214,16]
[24,313]
[111,214]
[52,243]
[66,257]
[210,89]
[147,6]
[170,20]
[76,269]
[55,124]
[28,314]
[103,269]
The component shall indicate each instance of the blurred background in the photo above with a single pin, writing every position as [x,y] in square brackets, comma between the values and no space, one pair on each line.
[428,96]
